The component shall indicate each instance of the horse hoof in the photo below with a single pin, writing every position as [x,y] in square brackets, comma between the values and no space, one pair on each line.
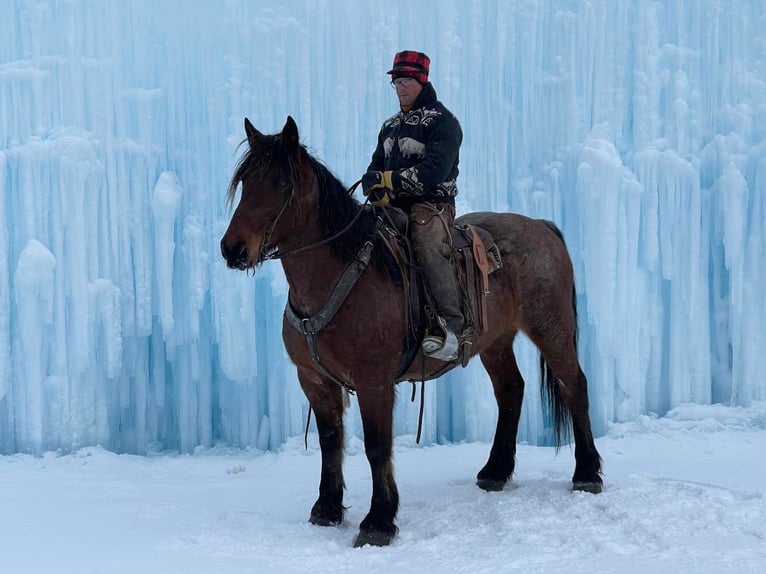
[490,485]
[324,521]
[374,538]
[324,517]
[592,487]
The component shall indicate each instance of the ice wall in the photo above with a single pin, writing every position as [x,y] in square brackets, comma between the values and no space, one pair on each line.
[639,127]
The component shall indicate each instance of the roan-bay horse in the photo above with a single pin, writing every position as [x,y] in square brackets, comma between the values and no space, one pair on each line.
[293,208]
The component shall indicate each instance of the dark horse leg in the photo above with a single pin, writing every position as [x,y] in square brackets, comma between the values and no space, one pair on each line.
[587,474]
[327,403]
[376,405]
[569,392]
[508,385]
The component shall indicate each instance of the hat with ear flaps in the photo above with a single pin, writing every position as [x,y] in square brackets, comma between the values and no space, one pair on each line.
[411,64]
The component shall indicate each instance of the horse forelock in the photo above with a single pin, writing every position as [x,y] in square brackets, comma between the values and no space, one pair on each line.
[262,155]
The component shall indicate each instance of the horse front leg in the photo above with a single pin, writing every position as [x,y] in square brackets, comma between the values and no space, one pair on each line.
[376,406]
[326,400]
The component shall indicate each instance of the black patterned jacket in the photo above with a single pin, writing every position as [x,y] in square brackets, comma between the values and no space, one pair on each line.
[422,148]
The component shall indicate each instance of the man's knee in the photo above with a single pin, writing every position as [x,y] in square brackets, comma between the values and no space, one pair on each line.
[429,230]
[432,253]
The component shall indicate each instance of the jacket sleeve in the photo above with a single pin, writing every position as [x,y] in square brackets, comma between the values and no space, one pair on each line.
[378,156]
[442,147]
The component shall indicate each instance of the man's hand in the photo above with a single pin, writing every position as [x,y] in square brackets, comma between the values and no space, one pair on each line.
[377,180]
[377,185]
[379,197]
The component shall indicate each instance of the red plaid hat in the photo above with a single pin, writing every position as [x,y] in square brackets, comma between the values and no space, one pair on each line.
[410,64]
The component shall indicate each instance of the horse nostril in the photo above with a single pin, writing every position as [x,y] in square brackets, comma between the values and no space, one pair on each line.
[235,255]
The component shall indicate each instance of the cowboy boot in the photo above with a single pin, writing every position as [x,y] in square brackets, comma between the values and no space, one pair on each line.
[445,291]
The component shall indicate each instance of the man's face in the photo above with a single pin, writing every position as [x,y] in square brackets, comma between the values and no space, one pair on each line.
[407,89]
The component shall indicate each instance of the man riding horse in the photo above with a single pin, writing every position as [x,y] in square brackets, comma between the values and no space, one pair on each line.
[415,167]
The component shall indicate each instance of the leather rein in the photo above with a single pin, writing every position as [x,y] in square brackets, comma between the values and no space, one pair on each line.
[267,254]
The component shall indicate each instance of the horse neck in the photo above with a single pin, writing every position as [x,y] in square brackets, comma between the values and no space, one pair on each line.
[312,274]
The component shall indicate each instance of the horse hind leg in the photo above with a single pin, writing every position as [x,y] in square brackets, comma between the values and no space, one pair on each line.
[508,384]
[376,405]
[327,403]
[567,390]
[587,475]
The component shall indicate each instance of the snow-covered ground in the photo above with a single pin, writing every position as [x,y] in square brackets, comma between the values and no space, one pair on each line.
[683,494]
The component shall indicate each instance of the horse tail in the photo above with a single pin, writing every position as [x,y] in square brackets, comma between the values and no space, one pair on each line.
[549,387]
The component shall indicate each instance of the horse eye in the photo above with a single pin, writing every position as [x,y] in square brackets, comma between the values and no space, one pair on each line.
[283,181]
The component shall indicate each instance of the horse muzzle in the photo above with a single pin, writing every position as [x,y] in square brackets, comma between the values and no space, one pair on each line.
[236,255]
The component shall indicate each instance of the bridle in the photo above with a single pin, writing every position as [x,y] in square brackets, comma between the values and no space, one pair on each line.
[266,253]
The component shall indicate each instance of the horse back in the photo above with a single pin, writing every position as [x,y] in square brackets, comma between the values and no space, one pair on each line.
[534,247]
[536,280]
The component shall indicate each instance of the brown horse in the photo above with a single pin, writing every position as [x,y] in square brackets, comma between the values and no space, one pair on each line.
[293,208]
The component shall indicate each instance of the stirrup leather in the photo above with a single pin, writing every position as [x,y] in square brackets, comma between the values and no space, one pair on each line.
[441,346]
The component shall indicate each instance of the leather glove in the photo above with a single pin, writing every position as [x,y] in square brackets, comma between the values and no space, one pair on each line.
[379,197]
[376,185]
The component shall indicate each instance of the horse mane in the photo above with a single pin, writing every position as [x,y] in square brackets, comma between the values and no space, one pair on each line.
[337,208]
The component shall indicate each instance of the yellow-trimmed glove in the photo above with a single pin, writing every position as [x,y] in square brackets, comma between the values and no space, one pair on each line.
[377,185]
[379,197]
[386,180]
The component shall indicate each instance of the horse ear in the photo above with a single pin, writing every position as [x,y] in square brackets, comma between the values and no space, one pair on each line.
[290,135]
[252,134]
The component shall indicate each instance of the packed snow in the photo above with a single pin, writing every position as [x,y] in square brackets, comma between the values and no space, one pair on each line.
[684,494]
